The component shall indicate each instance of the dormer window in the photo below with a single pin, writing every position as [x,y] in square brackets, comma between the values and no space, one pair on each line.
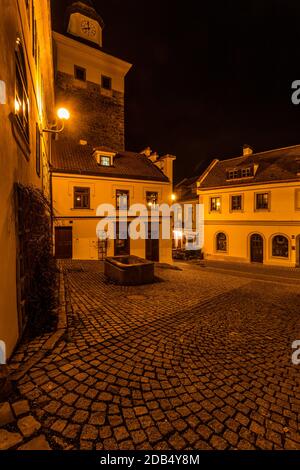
[240,173]
[246,172]
[105,161]
[104,158]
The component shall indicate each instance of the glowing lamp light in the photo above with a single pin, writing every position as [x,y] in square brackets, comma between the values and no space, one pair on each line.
[173,197]
[63,114]
[17,106]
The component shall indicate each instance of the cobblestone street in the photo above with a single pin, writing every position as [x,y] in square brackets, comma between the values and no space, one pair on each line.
[199,360]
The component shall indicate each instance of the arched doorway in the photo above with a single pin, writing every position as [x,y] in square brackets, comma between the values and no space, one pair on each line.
[256,248]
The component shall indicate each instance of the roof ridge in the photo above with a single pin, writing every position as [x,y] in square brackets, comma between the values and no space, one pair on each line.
[261,153]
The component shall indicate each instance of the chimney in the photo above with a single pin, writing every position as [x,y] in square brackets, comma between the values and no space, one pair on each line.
[247,150]
[147,152]
[154,157]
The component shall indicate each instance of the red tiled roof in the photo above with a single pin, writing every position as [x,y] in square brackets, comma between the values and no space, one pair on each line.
[73,158]
[273,165]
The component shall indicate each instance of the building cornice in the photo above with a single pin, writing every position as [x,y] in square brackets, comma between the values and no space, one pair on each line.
[94,55]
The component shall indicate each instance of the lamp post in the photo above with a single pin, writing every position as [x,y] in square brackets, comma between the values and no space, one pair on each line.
[63,115]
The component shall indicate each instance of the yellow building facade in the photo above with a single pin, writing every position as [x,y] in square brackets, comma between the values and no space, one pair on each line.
[77,194]
[26,108]
[252,208]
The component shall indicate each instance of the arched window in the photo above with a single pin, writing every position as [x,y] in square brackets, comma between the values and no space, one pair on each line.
[221,240]
[21,97]
[280,246]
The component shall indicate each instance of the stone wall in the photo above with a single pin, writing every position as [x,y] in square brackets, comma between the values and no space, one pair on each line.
[95,117]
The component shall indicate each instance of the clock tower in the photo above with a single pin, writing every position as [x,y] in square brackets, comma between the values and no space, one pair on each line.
[84,22]
[89,81]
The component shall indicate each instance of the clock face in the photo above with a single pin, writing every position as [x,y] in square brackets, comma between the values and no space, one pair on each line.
[88,27]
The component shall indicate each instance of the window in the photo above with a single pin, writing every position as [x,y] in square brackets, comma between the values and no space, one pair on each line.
[297,199]
[233,174]
[215,204]
[280,247]
[151,199]
[122,197]
[21,96]
[34,33]
[241,173]
[105,161]
[106,82]
[246,172]
[221,240]
[262,201]
[236,203]
[38,150]
[81,198]
[79,73]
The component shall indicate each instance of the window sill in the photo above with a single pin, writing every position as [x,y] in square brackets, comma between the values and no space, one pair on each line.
[81,209]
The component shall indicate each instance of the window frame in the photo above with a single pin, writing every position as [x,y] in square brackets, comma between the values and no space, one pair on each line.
[231,202]
[288,246]
[103,78]
[210,204]
[262,209]
[76,192]
[150,202]
[297,198]
[38,144]
[21,92]
[216,242]
[123,191]
[80,69]
[102,157]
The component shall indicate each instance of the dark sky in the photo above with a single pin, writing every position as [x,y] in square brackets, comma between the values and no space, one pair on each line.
[208,76]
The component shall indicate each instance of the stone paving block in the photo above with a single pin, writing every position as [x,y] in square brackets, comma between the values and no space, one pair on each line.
[21,407]
[9,439]
[6,414]
[38,443]
[28,425]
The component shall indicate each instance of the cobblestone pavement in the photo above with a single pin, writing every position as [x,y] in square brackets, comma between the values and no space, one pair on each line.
[198,360]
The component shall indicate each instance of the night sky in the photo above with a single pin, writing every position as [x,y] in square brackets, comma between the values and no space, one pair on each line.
[208,77]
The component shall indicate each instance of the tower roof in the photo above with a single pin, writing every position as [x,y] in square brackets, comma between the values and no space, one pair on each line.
[86,7]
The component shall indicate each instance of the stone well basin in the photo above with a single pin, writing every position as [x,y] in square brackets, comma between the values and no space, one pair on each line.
[129,270]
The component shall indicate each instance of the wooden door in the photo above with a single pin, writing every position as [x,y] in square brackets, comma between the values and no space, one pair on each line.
[122,244]
[152,244]
[257,249]
[63,243]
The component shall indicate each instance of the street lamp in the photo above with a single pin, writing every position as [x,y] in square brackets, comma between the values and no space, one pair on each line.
[63,115]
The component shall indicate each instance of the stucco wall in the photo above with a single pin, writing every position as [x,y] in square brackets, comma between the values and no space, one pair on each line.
[15,166]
